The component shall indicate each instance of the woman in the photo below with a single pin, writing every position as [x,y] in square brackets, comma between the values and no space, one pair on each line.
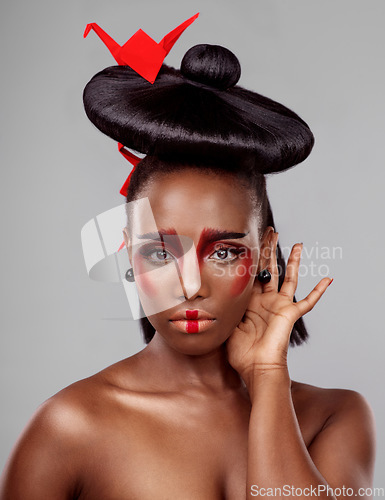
[207,409]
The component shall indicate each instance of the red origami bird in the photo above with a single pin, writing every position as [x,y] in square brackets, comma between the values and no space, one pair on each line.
[141,52]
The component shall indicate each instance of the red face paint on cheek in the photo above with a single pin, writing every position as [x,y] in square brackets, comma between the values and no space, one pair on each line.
[142,269]
[241,272]
[143,278]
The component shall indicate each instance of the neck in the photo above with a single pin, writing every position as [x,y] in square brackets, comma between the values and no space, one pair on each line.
[175,371]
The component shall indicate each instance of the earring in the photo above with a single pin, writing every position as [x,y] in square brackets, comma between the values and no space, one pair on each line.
[264,276]
[130,275]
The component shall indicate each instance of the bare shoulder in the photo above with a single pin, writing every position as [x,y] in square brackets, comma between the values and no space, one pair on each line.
[346,431]
[332,402]
[64,418]
[58,441]
[74,410]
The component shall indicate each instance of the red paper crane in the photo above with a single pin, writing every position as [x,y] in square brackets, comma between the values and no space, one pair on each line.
[141,52]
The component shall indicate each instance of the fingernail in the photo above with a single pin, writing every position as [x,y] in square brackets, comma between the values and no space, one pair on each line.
[331,282]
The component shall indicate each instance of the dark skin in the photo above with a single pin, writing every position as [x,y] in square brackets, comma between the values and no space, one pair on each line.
[200,416]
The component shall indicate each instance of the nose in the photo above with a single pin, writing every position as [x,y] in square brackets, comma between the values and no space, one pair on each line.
[189,272]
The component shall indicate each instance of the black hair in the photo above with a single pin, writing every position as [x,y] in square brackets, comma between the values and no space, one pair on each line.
[198,117]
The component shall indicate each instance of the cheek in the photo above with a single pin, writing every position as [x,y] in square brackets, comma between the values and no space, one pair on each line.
[143,278]
[242,273]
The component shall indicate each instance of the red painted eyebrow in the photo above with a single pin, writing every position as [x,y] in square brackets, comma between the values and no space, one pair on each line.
[209,235]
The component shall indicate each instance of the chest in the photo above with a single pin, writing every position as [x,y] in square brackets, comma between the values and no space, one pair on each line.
[174,451]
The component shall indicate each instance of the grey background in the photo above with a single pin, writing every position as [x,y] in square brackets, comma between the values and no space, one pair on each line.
[324,59]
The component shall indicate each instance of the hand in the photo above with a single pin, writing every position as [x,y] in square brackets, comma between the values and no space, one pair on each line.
[261,339]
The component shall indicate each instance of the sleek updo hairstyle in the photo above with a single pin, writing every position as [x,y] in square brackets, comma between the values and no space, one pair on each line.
[197,117]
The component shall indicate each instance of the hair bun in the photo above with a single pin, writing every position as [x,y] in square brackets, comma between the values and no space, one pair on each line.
[212,65]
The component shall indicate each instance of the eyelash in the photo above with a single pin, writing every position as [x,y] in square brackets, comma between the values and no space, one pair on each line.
[233,250]
[161,262]
[147,253]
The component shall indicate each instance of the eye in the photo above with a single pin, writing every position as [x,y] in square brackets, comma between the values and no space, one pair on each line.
[226,254]
[156,255]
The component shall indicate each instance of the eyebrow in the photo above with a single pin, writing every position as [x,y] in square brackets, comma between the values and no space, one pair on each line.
[156,235]
[210,234]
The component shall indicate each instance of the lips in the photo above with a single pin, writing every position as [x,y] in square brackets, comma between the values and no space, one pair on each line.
[191,314]
[192,320]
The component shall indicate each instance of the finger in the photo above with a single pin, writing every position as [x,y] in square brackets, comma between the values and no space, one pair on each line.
[290,281]
[305,305]
[272,267]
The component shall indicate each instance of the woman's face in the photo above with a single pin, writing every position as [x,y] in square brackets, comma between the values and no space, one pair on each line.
[194,246]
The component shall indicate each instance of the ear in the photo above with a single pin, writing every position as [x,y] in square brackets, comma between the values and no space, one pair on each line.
[127,242]
[264,255]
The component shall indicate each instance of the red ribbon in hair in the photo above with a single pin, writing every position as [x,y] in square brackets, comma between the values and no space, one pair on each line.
[134,160]
[141,52]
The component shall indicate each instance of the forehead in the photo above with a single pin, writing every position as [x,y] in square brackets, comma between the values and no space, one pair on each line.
[189,200]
